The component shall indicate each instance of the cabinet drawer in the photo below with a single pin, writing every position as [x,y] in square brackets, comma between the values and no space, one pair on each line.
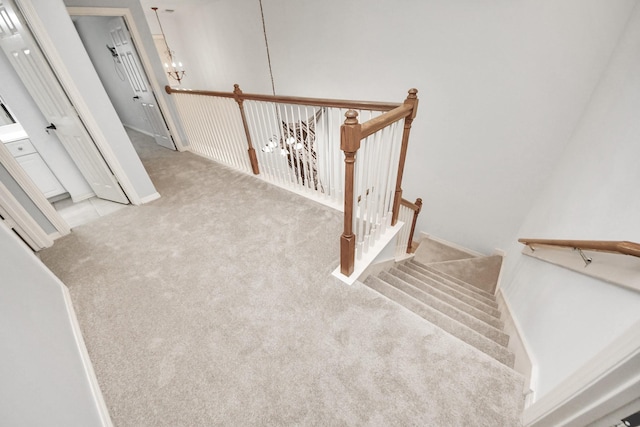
[20,148]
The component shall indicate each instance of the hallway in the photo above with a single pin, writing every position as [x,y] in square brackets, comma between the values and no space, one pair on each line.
[214,305]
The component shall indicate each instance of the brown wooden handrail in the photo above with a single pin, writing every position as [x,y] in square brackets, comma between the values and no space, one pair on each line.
[318,102]
[374,125]
[416,207]
[621,247]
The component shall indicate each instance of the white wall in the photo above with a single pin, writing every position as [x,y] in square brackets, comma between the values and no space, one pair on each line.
[94,33]
[44,378]
[220,42]
[594,193]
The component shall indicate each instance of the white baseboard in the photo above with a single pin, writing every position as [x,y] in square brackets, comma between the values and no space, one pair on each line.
[424,235]
[150,198]
[98,398]
[55,235]
[80,197]
[521,342]
[145,132]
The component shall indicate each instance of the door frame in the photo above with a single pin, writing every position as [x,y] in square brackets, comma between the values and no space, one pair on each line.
[136,39]
[17,218]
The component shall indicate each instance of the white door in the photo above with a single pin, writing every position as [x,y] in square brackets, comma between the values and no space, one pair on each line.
[142,92]
[24,54]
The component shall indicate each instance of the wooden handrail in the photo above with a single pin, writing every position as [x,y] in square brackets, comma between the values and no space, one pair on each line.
[411,100]
[416,207]
[413,206]
[318,102]
[374,125]
[621,247]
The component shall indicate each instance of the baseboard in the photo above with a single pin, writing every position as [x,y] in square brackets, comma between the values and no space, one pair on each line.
[520,347]
[145,132]
[424,235]
[607,382]
[80,197]
[101,405]
[150,198]
[55,235]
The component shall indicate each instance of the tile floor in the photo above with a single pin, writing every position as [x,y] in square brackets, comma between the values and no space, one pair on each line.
[85,211]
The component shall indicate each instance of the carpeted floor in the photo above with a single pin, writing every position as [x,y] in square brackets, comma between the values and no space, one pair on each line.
[214,305]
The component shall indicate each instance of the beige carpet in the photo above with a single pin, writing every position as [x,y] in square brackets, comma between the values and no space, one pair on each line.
[214,305]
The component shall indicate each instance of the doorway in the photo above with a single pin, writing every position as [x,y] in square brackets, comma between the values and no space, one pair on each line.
[115,149]
[46,148]
[116,60]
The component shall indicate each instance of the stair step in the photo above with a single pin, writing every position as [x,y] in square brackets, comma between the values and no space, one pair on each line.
[430,251]
[443,321]
[425,287]
[466,319]
[434,268]
[452,288]
[482,272]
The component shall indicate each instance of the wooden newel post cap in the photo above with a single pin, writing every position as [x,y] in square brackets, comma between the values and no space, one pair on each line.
[236,88]
[351,117]
[413,93]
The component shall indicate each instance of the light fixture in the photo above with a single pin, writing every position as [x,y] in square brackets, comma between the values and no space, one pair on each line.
[173,68]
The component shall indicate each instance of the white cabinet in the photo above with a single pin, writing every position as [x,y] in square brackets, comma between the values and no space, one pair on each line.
[25,153]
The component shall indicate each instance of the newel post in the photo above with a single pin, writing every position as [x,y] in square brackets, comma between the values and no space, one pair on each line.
[412,99]
[237,95]
[349,143]
[418,203]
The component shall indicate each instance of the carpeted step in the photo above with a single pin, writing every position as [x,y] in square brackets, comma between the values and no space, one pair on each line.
[482,273]
[450,299]
[436,269]
[430,251]
[454,288]
[449,310]
[443,321]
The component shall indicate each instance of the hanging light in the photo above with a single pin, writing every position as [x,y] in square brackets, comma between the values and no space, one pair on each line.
[173,68]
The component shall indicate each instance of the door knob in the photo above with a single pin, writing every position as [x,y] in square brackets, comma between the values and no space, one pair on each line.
[136,97]
[51,127]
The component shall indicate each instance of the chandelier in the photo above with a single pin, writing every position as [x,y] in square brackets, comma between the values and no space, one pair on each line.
[173,68]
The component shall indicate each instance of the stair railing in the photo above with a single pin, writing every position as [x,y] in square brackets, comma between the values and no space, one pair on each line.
[620,247]
[373,189]
[296,143]
[292,142]
[409,216]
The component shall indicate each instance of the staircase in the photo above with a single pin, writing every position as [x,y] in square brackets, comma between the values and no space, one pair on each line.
[454,290]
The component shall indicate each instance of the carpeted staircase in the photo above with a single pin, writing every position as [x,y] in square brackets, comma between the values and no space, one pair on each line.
[453,290]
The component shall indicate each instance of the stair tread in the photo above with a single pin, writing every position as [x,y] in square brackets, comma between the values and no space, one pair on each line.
[452,326]
[443,307]
[460,282]
[471,298]
[450,299]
